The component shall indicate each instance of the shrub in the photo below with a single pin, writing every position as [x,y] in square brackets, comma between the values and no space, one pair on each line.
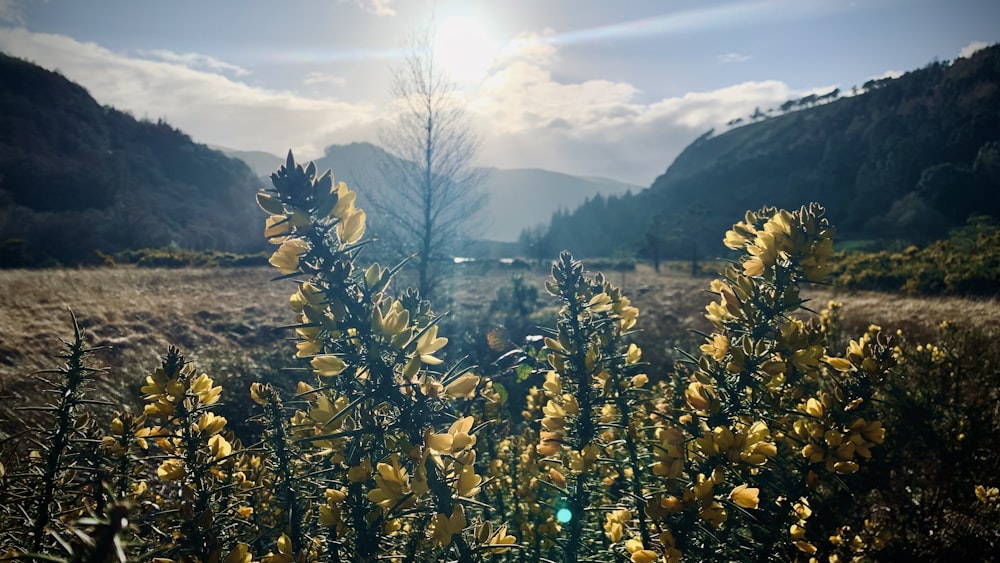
[968,263]
[387,452]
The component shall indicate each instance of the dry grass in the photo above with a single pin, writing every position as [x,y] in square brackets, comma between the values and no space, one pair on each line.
[133,314]
[229,313]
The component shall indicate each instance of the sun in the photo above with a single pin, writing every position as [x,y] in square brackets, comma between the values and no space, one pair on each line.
[463,48]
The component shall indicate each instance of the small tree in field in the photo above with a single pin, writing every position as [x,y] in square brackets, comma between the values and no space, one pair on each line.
[430,194]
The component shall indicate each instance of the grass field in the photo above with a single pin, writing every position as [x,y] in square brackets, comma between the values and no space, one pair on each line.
[135,313]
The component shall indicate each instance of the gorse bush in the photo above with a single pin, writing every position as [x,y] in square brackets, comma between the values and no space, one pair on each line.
[385,451]
[967,263]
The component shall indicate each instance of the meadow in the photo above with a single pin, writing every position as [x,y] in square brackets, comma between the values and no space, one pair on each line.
[135,313]
[229,322]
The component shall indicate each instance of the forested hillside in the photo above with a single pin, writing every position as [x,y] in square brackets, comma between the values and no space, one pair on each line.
[904,159]
[76,177]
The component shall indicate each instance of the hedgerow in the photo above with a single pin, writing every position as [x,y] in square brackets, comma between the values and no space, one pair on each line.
[385,451]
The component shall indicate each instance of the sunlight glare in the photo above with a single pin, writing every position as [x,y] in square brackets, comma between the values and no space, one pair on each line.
[463,48]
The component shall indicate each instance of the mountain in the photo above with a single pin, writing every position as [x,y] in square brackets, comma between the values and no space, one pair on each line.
[77,177]
[517,199]
[260,162]
[905,159]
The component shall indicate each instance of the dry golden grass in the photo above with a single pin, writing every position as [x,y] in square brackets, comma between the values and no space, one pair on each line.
[134,314]
[230,313]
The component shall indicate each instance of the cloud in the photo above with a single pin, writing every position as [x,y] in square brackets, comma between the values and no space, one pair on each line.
[210,107]
[597,127]
[10,12]
[971,48]
[535,48]
[314,78]
[888,74]
[527,117]
[726,58]
[192,60]
[377,7]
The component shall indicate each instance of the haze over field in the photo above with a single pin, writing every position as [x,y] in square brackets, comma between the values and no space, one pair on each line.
[586,88]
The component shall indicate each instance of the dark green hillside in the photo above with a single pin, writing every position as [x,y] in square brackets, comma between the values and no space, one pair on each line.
[907,159]
[76,177]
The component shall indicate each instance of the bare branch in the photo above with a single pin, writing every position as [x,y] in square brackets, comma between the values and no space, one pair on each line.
[430,191]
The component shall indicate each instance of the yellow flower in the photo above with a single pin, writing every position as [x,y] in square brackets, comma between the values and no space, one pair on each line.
[499,539]
[700,397]
[428,344]
[716,346]
[171,470]
[550,443]
[210,424]
[445,527]
[360,473]
[327,365]
[307,295]
[219,446]
[456,439]
[633,354]
[463,387]
[201,386]
[555,416]
[614,523]
[307,348]
[987,495]
[259,392]
[639,553]
[745,496]
[239,554]
[468,482]
[393,486]
[713,513]
[735,240]
[391,322]
[600,303]
[351,227]
[345,201]
[286,258]
[806,547]
[277,228]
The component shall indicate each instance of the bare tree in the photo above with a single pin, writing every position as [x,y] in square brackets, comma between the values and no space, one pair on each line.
[430,193]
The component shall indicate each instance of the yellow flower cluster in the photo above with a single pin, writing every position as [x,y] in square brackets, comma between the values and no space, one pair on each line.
[296,217]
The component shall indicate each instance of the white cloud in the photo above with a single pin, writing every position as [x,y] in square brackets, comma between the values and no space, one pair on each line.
[529,47]
[726,58]
[377,7]
[597,127]
[888,74]
[527,117]
[192,60]
[210,107]
[971,48]
[315,78]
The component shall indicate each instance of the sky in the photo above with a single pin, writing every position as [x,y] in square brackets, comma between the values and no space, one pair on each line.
[587,87]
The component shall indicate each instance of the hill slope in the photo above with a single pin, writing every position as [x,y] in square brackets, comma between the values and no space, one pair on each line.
[76,177]
[908,159]
[517,199]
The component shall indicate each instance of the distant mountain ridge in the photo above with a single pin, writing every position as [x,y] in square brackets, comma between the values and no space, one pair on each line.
[906,160]
[517,198]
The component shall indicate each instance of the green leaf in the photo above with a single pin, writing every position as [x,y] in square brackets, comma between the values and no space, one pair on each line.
[523,371]
[502,391]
